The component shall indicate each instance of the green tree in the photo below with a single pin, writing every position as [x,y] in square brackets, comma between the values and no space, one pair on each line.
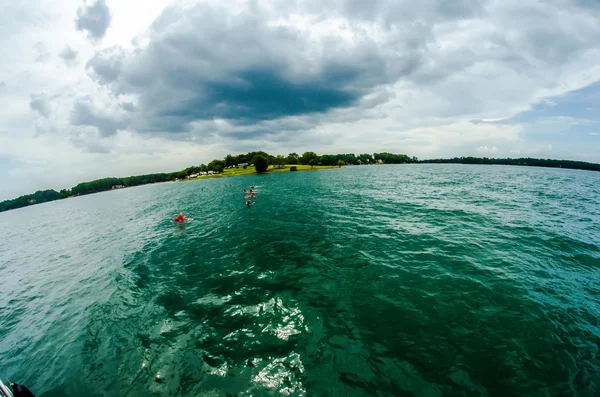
[41,196]
[260,164]
[215,164]
[292,158]
[181,174]
[312,162]
[279,161]
[366,158]
[390,158]
[307,157]
[340,163]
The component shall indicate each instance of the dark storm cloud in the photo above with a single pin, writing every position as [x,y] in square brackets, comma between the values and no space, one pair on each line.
[41,103]
[84,114]
[262,93]
[206,63]
[68,55]
[93,19]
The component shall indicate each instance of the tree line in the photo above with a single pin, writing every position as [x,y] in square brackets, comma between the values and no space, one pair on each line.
[527,162]
[41,196]
[260,159]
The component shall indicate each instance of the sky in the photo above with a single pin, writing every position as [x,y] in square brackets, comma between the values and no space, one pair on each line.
[116,88]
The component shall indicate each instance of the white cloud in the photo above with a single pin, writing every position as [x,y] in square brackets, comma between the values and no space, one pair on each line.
[41,102]
[540,150]
[485,149]
[42,54]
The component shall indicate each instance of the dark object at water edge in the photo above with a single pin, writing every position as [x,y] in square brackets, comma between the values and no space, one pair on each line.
[21,391]
[17,390]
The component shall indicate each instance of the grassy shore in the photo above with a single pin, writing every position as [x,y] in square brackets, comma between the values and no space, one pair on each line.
[271,169]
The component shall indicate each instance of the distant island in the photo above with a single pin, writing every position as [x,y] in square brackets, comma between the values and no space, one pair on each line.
[258,162]
[526,162]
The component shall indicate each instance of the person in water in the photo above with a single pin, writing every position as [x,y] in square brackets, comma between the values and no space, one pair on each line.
[248,203]
[180,218]
[245,191]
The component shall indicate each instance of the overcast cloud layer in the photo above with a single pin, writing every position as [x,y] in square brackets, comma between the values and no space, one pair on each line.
[110,89]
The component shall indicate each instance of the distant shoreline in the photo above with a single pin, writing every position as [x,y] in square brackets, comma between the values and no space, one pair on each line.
[243,165]
[225,174]
[520,162]
[271,170]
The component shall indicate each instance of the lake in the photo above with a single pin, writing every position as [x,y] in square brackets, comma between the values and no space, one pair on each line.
[425,280]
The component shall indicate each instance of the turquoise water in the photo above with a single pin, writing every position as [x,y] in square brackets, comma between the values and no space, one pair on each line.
[424,280]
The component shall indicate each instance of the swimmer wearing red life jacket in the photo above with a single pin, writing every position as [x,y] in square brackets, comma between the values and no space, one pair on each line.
[180,218]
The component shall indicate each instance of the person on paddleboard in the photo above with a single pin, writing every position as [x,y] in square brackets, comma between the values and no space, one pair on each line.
[180,218]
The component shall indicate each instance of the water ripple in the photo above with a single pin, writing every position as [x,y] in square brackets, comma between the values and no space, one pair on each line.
[432,280]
